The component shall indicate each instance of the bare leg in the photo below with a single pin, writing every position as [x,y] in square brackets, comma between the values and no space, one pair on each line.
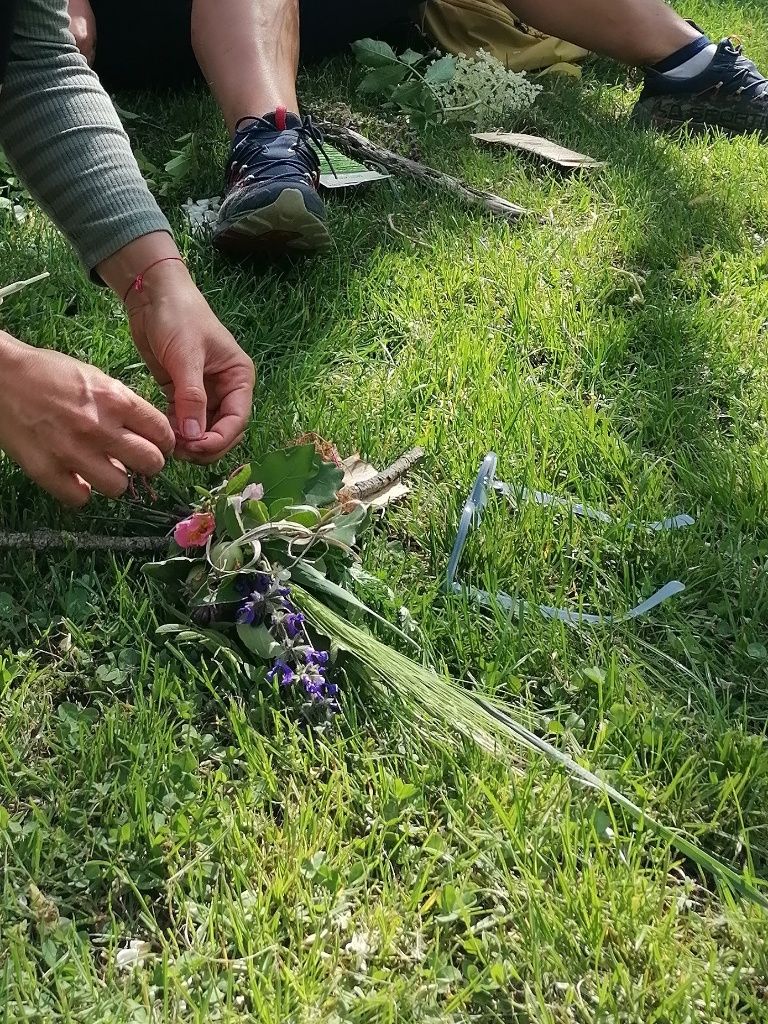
[248,51]
[637,32]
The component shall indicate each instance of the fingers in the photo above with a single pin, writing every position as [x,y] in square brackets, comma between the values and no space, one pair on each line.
[206,459]
[227,426]
[106,476]
[147,422]
[190,399]
[138,454]
[68,488]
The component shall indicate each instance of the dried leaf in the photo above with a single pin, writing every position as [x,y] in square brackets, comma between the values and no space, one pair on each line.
[357,471]
[543,148]
[44,910]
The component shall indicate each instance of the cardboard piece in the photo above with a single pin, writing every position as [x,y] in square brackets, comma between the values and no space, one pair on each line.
[568,159]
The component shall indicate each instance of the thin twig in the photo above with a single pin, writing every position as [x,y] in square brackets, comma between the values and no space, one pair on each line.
[46,540]
[374,484]
[363,149]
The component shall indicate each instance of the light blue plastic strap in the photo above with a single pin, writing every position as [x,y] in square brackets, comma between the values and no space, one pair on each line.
[471,514]
[542,498]
[516,607]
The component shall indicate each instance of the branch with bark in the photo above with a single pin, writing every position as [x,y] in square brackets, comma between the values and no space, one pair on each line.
[360,148]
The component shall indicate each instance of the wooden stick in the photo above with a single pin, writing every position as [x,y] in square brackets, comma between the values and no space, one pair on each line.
[371,487]
[363,149]
[45,540]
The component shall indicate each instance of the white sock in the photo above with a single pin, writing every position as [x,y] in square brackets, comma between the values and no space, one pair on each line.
[695,65]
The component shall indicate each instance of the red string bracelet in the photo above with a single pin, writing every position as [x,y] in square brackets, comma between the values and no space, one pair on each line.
[138,283]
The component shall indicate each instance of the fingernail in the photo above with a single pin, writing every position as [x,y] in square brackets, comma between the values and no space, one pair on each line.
[192,431]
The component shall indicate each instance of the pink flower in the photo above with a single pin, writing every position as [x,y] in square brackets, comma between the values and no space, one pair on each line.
[195,531]
[253,492]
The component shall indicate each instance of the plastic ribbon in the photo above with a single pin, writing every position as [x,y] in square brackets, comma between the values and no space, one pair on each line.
[471,515]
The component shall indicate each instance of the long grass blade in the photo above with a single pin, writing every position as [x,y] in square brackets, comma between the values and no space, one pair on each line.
[432,699]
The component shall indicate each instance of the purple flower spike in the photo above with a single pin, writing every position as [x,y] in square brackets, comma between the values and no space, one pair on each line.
[282,672]
[263,583]
[247,614]
[294,624]
[318,658]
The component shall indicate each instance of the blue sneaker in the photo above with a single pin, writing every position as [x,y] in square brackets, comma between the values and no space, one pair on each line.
[271,203]
[730,94]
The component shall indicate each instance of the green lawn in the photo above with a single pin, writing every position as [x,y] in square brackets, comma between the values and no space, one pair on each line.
[614,352]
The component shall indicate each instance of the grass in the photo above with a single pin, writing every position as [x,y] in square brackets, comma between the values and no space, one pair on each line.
[368,875]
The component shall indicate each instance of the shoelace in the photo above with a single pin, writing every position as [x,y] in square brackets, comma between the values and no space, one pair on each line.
[247,150]
[745,78]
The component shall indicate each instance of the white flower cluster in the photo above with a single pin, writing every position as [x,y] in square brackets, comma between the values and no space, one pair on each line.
[484,91]
[201,214]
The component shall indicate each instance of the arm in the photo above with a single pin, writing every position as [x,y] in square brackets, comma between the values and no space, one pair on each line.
[63,137]
[66,424]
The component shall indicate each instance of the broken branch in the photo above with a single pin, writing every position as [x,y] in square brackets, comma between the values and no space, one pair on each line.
[371,487]
[363,149]
[45,540]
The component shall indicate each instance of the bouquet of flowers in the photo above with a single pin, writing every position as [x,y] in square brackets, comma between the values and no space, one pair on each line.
[263,570]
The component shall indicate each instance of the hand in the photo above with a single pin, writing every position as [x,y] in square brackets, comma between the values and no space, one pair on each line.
[207,378]
[73,429]
[82,25]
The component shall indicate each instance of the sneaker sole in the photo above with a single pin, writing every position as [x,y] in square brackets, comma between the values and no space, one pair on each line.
[671,121]
[286,225]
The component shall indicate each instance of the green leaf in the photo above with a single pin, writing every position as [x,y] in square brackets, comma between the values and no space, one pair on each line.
[410,57]
[409,95]
[239,480]
[305,515]
[323,486]
[260,641]
[441,71]
[285,473]
[382,80]
[277,509]
[373,53]
[255,513]
[757,651]
[227,593]
[347,527]
[78,603]
[214,641]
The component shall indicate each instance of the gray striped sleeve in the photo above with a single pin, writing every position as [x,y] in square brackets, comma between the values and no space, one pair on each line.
[60,132]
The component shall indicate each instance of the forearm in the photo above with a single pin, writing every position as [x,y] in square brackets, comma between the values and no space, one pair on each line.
[61,133]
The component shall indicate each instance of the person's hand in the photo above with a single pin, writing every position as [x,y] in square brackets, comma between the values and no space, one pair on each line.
[73,429]
[82,25]
[207,378]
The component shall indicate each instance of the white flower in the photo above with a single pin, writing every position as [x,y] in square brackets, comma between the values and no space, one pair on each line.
[132,954]
[253,492]
[201,214]
[482,91]
[361,945]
